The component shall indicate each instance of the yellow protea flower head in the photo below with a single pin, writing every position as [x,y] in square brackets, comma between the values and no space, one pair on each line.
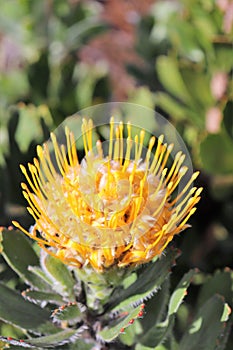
[118,209]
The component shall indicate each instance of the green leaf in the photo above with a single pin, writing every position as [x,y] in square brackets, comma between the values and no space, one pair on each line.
[180,292]
[215,159]
[156,307]
[182,35]
[1,247]
[13,85]
[178,110]
[205,25]
[150,278]
[159,331]
[144,97]
[19,254]
[81,345]
[88,78]
[71,313]
[170,77]
[110,333]
[49,341]
[223,338]
[19,312]
[228,120]
[207,325]
[29,128]
[38,296]
[142,347]
[15,344]
[82,31]
[36,270]
[128,337]
[57,339]
[60,275]
[223,56]
[220,283]
[199,89]
[171,106]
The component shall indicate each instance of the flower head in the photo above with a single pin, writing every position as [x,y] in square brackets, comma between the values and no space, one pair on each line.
[107,210]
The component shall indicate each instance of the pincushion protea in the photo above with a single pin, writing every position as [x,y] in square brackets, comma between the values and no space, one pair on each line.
[107,210]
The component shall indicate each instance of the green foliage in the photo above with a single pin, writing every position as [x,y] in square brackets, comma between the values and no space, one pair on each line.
[221,161]
[75,321]
[205,332]
[196,76]
[150,278]
[22,313]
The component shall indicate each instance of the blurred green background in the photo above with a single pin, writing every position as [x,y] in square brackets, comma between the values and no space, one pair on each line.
[176,57]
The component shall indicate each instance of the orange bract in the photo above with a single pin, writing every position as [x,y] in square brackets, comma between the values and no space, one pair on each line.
[110,210]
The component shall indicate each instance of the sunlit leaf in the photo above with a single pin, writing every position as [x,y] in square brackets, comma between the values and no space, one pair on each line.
[207,325]
[19,312]
[150,278]
[19,254]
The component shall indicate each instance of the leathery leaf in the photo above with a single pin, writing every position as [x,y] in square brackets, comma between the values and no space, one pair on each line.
[19,254]
[109,333]
[149,280]
[19,312]
[159,331]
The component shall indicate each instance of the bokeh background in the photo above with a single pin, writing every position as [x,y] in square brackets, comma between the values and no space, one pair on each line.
[176,57]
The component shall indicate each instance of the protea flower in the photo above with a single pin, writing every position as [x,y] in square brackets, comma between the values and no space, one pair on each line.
[107,210]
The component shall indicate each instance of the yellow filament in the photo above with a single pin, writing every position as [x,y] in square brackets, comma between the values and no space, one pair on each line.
[37,183]
[162,151]
[73,149]
[142,136]
[177,168]
[159,236]
[48,159]
[185,199]
[89,134]
[136,156]
[148,153]
[162,202]
[157,153]
[138,202]
[164,172]
[58,155]
[99,149]
[193,178]
[121,142]
[127,155]
[165,244]
[129,129]
[67,132]
[136,148]
[111,138]
[64,159]
[174,164]
[178,215]
[191,212]
[41,183]
[84,136]
[34,206]
[39,174]
[24,171]
[116,145]
[168,152]
[16,224]
[179,177]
